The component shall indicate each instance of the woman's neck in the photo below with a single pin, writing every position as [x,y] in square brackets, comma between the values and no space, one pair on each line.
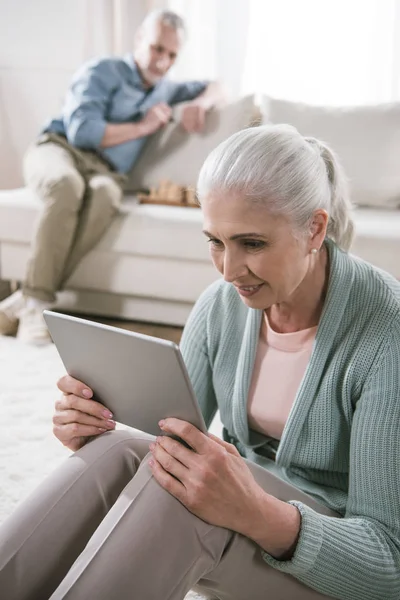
[305,308]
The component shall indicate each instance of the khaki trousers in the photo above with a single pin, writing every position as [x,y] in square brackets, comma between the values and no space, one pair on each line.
[101,527]
[80,195]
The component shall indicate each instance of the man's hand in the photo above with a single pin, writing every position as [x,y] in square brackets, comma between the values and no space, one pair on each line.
[77,417]
[156,117]
[193,117]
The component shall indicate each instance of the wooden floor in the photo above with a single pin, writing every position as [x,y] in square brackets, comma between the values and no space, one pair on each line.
[166,332]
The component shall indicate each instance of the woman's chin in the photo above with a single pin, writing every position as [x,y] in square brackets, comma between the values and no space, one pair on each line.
[258,301]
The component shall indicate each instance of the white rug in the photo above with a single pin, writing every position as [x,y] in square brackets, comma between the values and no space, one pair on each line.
[28,449]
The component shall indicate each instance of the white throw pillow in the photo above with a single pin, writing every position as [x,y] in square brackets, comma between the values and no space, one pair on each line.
[366,139]
[178,156]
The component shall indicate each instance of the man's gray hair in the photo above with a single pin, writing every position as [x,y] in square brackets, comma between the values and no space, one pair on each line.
[166,17]
[291,175]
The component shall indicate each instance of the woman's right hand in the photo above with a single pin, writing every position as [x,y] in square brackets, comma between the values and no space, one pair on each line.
[77,417]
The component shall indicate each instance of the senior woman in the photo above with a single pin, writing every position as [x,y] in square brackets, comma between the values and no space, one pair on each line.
[299,348]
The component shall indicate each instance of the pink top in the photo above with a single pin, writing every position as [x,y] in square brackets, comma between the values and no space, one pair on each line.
[280,364]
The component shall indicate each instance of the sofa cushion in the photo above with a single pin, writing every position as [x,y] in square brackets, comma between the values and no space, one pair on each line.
[366,139]
[142,229]
[149,251]
[178,156]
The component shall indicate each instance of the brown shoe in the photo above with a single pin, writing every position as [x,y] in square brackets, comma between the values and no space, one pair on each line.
[9,313]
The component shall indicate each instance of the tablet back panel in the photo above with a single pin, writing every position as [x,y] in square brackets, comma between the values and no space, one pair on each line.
[140,379]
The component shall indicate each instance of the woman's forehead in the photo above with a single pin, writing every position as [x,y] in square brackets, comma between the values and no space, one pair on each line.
[234,207]
[230,216]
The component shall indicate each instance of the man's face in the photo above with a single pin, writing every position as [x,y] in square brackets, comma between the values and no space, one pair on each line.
[156,50]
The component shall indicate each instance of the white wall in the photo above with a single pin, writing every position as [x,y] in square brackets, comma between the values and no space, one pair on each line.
[42,42]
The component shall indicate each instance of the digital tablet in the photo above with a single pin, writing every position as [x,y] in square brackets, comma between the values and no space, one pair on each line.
[139,378]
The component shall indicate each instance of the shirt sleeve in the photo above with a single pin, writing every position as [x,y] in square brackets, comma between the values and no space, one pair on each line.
[359,556]
[84,113]
[194,348]
[183,92]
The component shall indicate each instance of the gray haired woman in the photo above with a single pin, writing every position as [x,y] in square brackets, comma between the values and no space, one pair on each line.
[298,346]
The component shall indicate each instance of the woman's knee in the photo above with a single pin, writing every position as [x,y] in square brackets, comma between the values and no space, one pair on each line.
[120,443]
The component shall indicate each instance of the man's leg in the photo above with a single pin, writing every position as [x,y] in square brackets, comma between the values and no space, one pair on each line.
[51,173]
[44,535]
[104,197]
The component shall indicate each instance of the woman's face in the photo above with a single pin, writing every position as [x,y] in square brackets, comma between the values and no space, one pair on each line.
[256,251]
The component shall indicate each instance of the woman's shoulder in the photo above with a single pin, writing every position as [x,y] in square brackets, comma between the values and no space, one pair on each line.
[376,286]
[369,286]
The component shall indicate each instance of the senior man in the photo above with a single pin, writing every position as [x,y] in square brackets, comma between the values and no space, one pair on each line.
[78,164]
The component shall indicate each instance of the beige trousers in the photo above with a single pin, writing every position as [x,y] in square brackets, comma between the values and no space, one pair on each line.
[80,196]
[101,527]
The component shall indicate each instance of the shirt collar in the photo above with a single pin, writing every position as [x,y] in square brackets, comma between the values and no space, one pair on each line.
[136,79]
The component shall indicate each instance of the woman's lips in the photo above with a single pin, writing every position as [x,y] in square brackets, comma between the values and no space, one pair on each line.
[249,290]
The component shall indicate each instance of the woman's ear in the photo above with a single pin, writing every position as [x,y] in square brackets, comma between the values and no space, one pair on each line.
[319,224]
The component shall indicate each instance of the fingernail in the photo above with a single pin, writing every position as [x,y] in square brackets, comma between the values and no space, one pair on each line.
[151,463]
[87,393]
[110,424]
[107,414]
[101,429]
[152,446]
[161,424]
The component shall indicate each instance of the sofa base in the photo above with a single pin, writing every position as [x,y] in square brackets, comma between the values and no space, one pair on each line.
[116,306]
[132,308]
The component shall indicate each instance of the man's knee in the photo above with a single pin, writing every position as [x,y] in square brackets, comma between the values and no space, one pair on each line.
[106,191]
[68,187]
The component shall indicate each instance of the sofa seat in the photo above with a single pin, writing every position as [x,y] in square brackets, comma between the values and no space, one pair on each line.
[153,263]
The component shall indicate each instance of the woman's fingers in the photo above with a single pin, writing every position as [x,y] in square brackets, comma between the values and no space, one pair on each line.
[169,463]
[69,434]
[70,385]
[187,432]
[228,447]
[65,417]
[90,407]
[76,418]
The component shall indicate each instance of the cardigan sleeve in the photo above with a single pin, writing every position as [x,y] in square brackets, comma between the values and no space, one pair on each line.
[194,348]
[359,556]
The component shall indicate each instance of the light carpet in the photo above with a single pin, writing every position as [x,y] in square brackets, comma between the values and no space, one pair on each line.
[28,449]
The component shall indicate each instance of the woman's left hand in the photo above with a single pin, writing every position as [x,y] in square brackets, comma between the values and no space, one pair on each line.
[212,481]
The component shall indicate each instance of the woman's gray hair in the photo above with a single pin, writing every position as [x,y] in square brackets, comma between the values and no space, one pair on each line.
[291,175]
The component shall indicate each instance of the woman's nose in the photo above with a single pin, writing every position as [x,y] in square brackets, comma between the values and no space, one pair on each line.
[233,268]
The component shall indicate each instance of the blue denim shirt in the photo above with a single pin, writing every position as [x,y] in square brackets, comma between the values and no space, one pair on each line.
[110,90]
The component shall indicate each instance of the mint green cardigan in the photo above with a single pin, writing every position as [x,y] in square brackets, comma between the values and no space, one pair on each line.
[341,442]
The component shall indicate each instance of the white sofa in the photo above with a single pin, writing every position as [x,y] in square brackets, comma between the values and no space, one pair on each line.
[151,265]
[153,262]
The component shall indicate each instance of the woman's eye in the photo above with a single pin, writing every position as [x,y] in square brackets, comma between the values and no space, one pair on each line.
[215,243]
